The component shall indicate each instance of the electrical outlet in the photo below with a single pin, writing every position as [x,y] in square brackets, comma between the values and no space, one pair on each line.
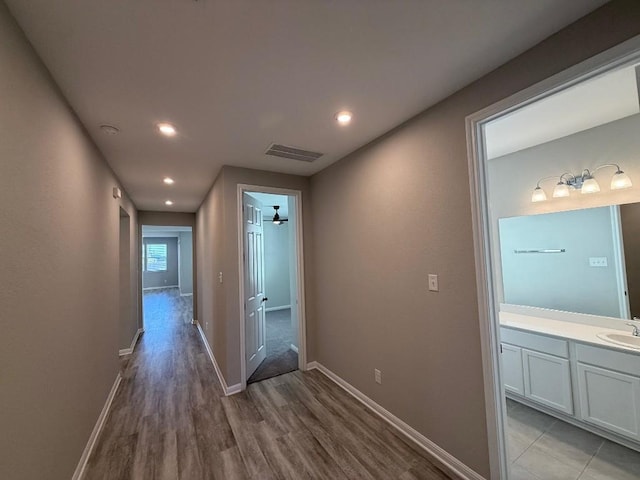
[220,277]
[433,282]
[377,375]
[598,261]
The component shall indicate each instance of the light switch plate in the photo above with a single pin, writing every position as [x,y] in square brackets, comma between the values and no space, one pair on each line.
[433,282]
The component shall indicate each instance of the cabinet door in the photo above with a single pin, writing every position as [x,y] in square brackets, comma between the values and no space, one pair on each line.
[610,400]
[547,380]
[512,369]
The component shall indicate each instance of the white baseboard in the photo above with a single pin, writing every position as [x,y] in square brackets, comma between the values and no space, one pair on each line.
[294,348]
[274,309]
[186,294]
[228,390]
[145,289]
[82,464]
[446,461]
[129,351]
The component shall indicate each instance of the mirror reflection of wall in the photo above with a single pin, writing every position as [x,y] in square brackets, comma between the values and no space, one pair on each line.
[564,261]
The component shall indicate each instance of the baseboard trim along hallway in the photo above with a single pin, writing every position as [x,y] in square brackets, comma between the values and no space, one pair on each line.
[446,461]
[129,351]
[228,390]
[82,464]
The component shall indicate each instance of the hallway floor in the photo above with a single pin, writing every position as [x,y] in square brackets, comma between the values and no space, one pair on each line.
[280,357]
[170,420]
[544,448]
[163,305]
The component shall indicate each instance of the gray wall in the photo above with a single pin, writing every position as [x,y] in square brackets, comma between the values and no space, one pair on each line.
[630,216]
[217,242]
[276,264]
[185,242]
[561,281]
[371,308]
[168,278]
[59,251]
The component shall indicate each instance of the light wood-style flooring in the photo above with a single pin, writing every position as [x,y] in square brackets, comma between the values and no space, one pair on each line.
[170,420]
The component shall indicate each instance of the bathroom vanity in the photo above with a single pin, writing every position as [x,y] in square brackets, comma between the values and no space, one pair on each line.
[568,370]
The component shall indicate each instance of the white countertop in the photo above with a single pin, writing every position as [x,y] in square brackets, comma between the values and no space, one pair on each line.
[569,330]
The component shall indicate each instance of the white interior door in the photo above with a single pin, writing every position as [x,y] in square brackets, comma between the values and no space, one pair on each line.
[254,300]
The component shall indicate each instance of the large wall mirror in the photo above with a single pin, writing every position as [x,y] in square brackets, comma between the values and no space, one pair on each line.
[582,261]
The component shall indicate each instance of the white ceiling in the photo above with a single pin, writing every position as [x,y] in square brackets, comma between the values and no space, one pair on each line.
[236,75]
[591,103]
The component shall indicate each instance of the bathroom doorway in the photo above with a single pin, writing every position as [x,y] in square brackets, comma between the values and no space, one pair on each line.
[551,168]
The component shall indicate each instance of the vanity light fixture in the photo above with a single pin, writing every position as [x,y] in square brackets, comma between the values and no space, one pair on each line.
[585,182]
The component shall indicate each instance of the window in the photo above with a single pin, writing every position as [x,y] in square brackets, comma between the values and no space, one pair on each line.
[155,256]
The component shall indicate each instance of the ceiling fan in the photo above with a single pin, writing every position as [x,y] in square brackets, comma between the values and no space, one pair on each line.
[276,218]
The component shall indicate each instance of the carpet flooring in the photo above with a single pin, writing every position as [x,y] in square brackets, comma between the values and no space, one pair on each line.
[280,358]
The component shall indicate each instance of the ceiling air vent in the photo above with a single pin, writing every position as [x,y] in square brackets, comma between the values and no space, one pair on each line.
[292,152]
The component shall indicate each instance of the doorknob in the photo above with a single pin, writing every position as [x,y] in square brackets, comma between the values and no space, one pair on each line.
[265,299]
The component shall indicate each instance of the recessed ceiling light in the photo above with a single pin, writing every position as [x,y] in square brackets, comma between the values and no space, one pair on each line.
[344,117]
[109,129]
[168,202]
[167,129]
[168,180]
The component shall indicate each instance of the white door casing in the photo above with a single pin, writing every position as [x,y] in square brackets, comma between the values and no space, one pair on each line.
[254,295]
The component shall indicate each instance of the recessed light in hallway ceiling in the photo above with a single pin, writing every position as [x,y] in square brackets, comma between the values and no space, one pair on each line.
[168,203]
[167,129]
[168,180]
[344,117]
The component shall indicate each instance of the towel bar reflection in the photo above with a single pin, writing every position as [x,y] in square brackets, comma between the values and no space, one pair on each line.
[541,250]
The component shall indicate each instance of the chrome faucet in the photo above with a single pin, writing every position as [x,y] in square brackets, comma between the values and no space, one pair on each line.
[636,331]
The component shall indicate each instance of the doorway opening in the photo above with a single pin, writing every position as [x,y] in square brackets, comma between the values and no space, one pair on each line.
[554,288]
[271,283]
[167,276]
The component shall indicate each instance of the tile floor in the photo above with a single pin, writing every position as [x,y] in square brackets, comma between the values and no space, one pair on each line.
[544,448]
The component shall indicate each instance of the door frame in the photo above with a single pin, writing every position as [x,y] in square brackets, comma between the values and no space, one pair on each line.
[300,283]
[625,53]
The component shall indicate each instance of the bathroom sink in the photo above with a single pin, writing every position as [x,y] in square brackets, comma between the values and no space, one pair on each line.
[624,339]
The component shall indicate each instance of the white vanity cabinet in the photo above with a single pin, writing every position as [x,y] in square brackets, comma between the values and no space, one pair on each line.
[512,372]
[547,380]
[609,392]
[537,367]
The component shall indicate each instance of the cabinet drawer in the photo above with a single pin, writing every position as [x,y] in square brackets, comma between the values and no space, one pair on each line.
[610,359]
[532,341]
